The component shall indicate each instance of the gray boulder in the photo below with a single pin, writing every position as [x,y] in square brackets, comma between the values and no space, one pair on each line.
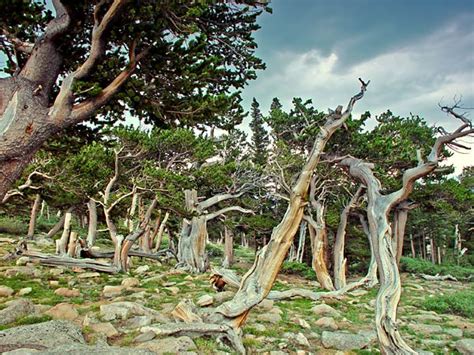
[16,309]
[465,346]
[346,341]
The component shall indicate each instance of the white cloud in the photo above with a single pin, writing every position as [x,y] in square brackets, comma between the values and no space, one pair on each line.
[413,78]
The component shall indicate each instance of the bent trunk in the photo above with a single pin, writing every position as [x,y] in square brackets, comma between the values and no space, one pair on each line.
[34,214]
[192,242]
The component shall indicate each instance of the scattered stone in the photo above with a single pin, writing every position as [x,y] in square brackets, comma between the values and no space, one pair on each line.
[455,332]
[169,345]
[42,335]
[106,329]
[426,328]
[124,310]
[327,322]
[65,292]
[465,346]
[173,289]
[56,271]
[6,291]
[302,340]
[303,323]
[426,318]
[138,322]
[205,300]
[130,282]
[270,317]
[260,327]
[25,291]
[343,340]
[266,305]
[88,275]
[81,349]
[63,311]
[189,278]
[54,283]
[223,296]
[358,293]
[147,336]
[325,310]
[16,309]
[22,261]
[142,269]
[28,271]
[112,291]
[89,320]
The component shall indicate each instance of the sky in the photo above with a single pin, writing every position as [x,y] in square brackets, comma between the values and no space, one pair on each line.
[416,53]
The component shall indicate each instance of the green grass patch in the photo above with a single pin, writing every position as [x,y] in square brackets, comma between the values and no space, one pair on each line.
[297,268]
[460,303]
[419,266]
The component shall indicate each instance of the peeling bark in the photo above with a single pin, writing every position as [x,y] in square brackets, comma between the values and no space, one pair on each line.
[379,207]
[339,259]
[193,239]
[33,216]
[258,281]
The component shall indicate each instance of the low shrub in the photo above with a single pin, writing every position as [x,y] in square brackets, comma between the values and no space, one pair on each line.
[460,303]
[419,266]
[15,226]
[297,268]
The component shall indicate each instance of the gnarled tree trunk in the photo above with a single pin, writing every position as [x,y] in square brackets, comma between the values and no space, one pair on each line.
[92,229]
[258,281]
[33,216]
[62,243]
[339,259]
[400,217]
[378,210]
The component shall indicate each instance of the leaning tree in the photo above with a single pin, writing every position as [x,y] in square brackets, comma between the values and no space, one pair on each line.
[379,206]
[97,60]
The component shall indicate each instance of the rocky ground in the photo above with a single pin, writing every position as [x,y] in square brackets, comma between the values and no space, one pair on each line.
[55,310]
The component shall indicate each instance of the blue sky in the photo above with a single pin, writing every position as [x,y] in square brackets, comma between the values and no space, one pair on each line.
[416,53]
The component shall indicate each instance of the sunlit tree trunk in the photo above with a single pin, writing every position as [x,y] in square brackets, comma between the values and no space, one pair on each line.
[92,223]
[33,216]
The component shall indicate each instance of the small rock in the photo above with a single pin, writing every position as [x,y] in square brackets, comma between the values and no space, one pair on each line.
[142,269]
[63,311]
[54,283]
[22,261]
[89,320]
[130,282]
[147,336]
[358,293]
[303,323]
[16,309]
[343,340]
[426,328]
[138,322]
[327,322]
[124,310]
[324,309]
[302,340]
[6,291]
[205,300]
[65,292]
[260,327]
[88,275]
[270,317]
[189,278]
[23,270]
[169,345]
[106,329]
[465,346]
[173,289]
[25,291]
[223,296]
[56,271]
[112,291]
[266,304]
[169,283]
[455,332]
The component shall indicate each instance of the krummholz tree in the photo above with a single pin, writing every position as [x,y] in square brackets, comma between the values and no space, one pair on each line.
[260,139]
[97,60]
[379,207]
[193,238]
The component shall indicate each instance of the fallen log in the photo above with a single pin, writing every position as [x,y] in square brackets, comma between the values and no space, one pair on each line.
[438,277]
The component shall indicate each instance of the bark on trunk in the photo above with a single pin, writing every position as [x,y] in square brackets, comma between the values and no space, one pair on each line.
[228,248]
[57,227]
[372,270]
[160,231]
[400,220]
[33,216]
[71,249]
[339,259]
[301,241]
[63,242]
[258,281]
[192,254]
[92,229]
[412,245]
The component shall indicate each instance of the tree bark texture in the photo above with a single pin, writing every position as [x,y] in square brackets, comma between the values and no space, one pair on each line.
[33,216]
[338,252]
[258,281]
[92,228]
[30,114]
[378,210]
[228,248]
[63,241]
[192,254]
